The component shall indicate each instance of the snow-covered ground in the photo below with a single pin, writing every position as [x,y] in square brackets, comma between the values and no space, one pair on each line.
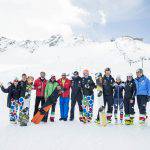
[71,135]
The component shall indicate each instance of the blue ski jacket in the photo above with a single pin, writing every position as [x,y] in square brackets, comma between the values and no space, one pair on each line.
[142,86]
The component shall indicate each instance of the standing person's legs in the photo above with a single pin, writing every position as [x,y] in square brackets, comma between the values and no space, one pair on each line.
[42,99]
[73,103]
[116,108]
[121,108]
[90,108]
[80,107]
[66,108]
[53,112]
[84,106]
[131,108]
[37,103]
[110,101]
[61,102]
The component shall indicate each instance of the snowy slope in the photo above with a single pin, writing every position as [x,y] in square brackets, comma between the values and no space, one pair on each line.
[71,135]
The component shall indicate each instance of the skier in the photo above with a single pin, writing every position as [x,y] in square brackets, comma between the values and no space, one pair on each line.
[13,97]
[88,86]
[24,113]
[118,99]
[50,87]
[129,99]
[76,95]
[65,84]
[142,93]
[107,83]
[39,86]
[99,78]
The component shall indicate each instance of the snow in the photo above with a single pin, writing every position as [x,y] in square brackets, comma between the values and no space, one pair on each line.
[71,135]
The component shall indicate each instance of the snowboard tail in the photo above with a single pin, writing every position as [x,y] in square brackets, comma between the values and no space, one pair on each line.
[40,115]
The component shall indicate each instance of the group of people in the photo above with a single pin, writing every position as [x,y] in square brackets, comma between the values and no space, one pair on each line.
[112,93]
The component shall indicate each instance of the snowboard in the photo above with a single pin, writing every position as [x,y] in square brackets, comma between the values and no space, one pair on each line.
[43,111]
[25,102]
[103,116]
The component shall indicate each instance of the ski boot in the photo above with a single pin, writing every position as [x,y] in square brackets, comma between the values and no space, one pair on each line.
[131,120]
[84,120]
[116,119]
[109,119]
[141,121]
[81,119]
[52,119]
[127,122]
[89,119]
[121,119]
[97,121]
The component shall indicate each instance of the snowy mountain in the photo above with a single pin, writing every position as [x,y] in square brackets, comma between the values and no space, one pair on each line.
[55,56]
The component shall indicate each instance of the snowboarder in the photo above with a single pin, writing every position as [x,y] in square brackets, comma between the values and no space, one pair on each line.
[142,93]
[76,95]
[129,99]
[50,87]
[24,113]
[107,83]
[65,84]
[98,77]
[118,99]
[39,86]
[88,86]
[47,105]
[13,97]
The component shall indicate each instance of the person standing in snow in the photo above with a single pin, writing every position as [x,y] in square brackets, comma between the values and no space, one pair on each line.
[13,97]
[142,93]
[76,95]
[39,86]
[107,83]
[22,86]
[88,86]
[129,99]
[99,89]
[118,98]
[65,84]
[50,87]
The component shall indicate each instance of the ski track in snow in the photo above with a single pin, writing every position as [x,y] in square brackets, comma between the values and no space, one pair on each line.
[67,135]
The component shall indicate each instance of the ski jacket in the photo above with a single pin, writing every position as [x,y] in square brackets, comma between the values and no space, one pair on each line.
[118,90]
[22,86]
[142,86]
[76,88]
[65,84]
[130,90]
[13,93]
[39,86]
[88,86]
[50,87]
[107,83]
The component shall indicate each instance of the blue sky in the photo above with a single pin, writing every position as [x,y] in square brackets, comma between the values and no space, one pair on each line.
[97,19]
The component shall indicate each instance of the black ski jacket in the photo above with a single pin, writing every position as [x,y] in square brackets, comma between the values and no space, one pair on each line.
[76,88]
[108,83]
[22,86]
[130,90]
[13,93]
[88,86]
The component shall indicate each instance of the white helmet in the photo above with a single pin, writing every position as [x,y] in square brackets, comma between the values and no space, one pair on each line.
[129,75]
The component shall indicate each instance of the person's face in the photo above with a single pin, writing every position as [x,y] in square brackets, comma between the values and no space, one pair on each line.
[85,74]
[42,74]
[107,73]
[139,74]
[118,80]
[63,76]
[53,78]
[129,78]
[15,83]
[24,78]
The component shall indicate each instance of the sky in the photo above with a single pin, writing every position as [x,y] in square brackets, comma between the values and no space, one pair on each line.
[99,20]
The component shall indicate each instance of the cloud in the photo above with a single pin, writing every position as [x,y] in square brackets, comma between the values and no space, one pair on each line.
[38,18]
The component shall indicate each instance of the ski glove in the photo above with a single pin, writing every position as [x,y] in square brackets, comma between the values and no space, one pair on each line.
[99,93]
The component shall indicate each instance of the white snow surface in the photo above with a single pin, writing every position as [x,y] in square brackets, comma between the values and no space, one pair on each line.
[72,135]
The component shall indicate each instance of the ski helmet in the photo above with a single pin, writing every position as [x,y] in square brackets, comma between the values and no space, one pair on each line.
[118,77]
[130,75]
[76,73]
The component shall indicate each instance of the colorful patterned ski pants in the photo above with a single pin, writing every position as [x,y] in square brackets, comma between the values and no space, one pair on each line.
[87,105]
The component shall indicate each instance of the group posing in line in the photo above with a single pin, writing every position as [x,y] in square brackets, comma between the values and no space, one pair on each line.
[113,94]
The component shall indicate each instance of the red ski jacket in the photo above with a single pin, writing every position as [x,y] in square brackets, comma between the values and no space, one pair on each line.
[66,87]
[39,86]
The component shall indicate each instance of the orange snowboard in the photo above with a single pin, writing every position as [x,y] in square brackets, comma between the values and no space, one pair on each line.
[38,116]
